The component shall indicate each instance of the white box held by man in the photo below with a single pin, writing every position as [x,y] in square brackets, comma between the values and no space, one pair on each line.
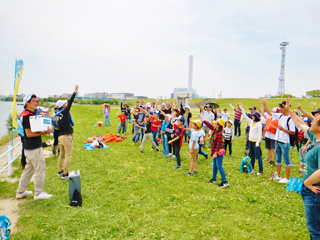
[39,123]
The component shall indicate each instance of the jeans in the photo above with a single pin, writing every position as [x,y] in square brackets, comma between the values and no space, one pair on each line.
[165,143]
[312,210]
[136,137]
[122,125]
[107,120]
[125,128]
[217,165]
[142,132]
[302,157]
[255,153]
[200,151]
[282,149]
[154,135]
[176,149]
[237,126]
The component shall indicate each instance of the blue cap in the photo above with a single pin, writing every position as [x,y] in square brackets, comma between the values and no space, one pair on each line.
[181,118]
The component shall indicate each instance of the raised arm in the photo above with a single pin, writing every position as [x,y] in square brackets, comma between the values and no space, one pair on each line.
[262,112]
[231,105]
[299,123]
[314,106]
[304,112]
[201,109]
[264,103]
[244,114]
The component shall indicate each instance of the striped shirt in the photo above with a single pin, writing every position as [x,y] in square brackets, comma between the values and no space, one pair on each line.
[237,113]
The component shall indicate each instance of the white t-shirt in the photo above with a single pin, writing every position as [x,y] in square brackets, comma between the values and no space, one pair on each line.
[282,136]
[209,117]
[225,116]
[201,134]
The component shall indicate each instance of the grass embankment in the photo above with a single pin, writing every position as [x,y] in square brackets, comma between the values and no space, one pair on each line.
[7,138]
[128,195]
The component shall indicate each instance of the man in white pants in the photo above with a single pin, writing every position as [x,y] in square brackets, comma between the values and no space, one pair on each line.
[32,142]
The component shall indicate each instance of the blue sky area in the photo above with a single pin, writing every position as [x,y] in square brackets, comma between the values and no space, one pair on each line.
[143,46]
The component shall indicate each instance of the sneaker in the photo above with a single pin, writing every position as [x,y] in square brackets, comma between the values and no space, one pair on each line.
[277,178]
[24,194]
[266,159]
[206,156]
[60,173]
[252,171]
[291,164]
[177,167]
[173,157]
[194,172]
[212,180]
[167,155]
[141,151]
[229,155]
[271,162]
[188,174]
[284,180]
[259,173]
[65,176]
[158,150]
[300,170]
[223,184]
[42,195]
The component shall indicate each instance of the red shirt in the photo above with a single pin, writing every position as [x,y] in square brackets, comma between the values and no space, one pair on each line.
[155,122]
[122,118]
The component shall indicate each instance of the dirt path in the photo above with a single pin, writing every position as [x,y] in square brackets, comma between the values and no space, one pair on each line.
[10,207]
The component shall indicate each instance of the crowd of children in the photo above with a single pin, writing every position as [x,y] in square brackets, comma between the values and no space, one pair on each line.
[173,124]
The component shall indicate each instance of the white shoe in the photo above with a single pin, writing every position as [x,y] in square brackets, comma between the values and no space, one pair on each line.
[284,180]
[276,178]
[24,194]
[42,195]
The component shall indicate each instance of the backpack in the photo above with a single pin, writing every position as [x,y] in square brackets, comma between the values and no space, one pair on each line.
[76,199]
[4,231]
[273,122]
[245,165]
[294,137]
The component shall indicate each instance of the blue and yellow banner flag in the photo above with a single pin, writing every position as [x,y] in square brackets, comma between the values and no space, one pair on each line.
[17,80]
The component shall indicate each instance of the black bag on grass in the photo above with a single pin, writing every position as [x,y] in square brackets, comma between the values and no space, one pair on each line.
[76,199]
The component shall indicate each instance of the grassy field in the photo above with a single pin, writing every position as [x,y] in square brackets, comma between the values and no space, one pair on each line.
[128,195]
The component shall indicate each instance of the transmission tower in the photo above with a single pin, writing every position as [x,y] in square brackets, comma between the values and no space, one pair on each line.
[281,86]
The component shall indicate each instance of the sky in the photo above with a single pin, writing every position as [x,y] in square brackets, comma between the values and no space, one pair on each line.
[143,46]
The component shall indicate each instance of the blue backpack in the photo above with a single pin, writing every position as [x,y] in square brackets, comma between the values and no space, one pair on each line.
[245,165]
[4,231]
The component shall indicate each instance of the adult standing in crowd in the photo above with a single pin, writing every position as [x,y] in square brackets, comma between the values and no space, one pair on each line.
[35,161]
[207,115]
[65,134]
[237,120]
[286,127]
[311,175]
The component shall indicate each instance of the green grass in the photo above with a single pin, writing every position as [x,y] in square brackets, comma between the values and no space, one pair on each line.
[128,195]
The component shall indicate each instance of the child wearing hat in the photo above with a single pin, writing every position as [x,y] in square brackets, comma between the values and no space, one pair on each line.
[228,135]
[217,150]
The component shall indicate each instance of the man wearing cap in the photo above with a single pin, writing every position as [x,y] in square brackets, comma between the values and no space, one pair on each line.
[286,127]
[32,142]
[207,115]
[65,134]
